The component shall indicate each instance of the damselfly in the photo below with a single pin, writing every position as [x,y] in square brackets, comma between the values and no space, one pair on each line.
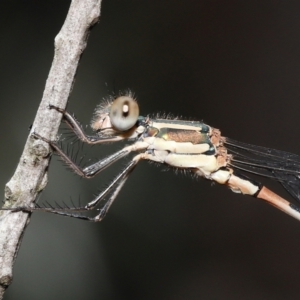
[187,145]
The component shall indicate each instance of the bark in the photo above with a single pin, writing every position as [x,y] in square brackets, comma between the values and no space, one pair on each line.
[30,177]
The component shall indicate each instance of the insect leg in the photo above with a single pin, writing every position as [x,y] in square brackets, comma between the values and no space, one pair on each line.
[114,187]
[96,168]
[89,171]
[117,184]
[77,129]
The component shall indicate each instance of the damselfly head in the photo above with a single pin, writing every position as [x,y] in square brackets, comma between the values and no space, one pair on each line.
[119,114]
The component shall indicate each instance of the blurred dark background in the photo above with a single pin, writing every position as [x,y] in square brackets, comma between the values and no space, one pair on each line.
[233,64]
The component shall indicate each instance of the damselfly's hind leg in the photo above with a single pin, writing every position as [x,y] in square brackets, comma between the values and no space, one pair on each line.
[73,212]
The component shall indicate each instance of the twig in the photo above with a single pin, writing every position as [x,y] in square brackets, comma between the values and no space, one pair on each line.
[30,177]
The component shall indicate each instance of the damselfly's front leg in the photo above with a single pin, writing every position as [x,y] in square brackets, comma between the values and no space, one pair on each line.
[77,129]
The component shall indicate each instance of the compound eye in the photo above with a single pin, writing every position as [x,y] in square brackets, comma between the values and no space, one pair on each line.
[124,113]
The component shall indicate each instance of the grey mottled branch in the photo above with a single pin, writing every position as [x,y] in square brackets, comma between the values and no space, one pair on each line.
[30,177]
